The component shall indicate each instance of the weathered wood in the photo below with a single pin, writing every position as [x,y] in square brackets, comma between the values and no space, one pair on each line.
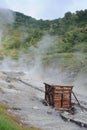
[77,100]
[30,85]
[72,118]
[58,96]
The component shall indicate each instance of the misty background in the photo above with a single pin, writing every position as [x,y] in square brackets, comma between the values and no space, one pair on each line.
[40,63]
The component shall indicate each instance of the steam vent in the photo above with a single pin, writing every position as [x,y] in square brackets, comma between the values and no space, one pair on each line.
[58,96]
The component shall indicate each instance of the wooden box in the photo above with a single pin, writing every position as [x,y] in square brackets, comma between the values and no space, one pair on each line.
[58,96]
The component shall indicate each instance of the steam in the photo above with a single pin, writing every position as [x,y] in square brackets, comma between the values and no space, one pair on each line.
[6,18]
[52,73]
[81,84]
[32,62]
[37,71]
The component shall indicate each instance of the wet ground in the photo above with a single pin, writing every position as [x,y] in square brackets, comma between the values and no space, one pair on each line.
[26,102]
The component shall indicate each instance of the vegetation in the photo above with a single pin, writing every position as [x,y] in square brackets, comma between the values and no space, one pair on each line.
[70,32]
[27,31]
[10,122]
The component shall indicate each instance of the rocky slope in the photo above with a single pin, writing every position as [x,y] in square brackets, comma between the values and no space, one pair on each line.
[26,102]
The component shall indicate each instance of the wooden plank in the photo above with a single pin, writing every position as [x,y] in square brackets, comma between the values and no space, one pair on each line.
[58,96]
[77,120]
[57,105]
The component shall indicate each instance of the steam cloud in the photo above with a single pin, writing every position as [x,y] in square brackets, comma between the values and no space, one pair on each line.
[31,63]
[6,17]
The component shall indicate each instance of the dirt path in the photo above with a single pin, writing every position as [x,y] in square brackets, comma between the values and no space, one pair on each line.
[26,102]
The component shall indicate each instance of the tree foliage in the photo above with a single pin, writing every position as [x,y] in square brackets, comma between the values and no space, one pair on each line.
[27,31]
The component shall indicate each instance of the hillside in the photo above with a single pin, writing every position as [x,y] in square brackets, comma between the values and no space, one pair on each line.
[25,31]
[33,52]
[59,44]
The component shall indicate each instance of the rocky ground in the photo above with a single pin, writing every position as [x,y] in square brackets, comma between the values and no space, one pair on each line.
[26,102]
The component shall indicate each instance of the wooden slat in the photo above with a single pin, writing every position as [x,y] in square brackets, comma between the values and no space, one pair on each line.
[58,96]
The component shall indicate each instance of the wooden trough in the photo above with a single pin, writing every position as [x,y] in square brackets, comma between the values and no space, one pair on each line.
[59,97]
